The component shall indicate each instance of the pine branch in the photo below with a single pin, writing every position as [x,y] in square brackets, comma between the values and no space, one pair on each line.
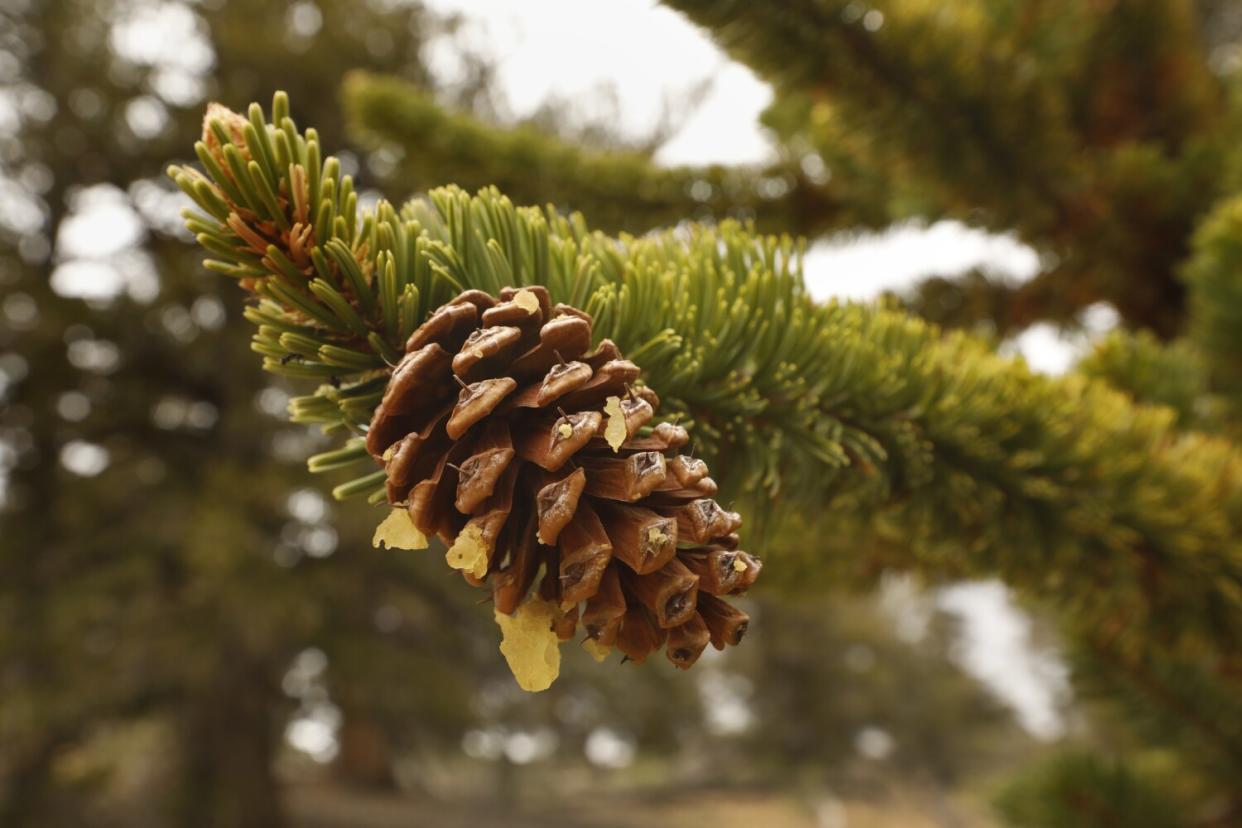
[1154,373]
[903,69]
[1188,702]
[1094,133]
[1063,487]
[1086,790]
[975,300]
[1214,277]
[620,190]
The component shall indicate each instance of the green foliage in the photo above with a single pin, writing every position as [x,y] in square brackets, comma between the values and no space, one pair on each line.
[1214,276]
[1099,135]
[1151,372]
[1063,487]
[1091,131]
[620,190]
[975,300]
[1185,702]
[1084,791]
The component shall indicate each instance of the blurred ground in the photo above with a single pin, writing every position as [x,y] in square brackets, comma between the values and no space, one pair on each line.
[333,807]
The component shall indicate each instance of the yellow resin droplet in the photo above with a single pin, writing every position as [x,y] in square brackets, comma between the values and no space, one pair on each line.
[615,432]
[565,430]
[655,536]
[397,531]
[739,565]
[469,552]
[529,644]
[526,300]
[598,651]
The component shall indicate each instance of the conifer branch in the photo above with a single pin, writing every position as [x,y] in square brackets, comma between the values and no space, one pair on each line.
[1187,701]
[1083,789]
[1153,372]
[1062,486]
[1214,277]
[1099,159]
[619,190]
[977,300]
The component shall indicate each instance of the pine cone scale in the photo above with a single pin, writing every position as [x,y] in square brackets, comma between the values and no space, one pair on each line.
[641,539]
[417,384]
[566,338]
[687,641]
[556,503]
[670,593]
[586,551]
[479,473]
[413,459]
[449,326]
[476,401]
[625,479]
[559,381]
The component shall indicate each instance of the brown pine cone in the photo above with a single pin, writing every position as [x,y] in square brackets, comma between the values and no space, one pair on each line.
[504,434]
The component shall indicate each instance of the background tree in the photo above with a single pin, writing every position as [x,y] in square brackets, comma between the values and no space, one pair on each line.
[1098,134]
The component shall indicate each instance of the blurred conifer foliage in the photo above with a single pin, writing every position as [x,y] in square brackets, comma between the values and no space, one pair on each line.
[1099,133]
[172,594]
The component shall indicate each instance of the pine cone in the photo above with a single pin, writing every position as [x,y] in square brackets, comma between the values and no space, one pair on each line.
[504,434]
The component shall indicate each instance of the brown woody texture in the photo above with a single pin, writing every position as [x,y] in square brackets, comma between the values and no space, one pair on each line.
[533,456]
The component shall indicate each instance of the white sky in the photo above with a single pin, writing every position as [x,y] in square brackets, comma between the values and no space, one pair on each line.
[571,48]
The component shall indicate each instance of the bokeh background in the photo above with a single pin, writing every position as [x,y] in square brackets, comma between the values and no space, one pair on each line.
[191,631]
